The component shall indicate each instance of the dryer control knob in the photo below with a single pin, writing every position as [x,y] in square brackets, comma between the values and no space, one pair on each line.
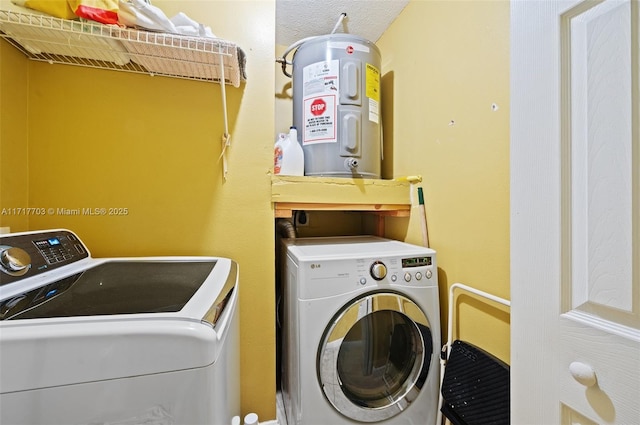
[15,261]
[378,270]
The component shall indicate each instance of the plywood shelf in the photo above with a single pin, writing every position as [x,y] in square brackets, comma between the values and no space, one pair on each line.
[382,197]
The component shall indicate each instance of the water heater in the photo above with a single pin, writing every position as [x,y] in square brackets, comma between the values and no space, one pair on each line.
[336,106]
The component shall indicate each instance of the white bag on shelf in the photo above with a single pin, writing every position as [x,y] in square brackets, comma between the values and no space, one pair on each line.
[141,14]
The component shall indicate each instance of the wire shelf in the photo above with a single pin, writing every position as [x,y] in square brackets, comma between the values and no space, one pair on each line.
[91,44]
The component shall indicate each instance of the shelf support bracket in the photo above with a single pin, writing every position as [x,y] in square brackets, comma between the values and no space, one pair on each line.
[226,137]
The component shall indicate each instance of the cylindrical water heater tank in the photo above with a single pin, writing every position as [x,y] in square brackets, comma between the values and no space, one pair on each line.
[336,106]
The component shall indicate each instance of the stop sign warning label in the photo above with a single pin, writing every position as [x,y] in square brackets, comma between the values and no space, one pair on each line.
[320,119]
[318,106]
[321,91]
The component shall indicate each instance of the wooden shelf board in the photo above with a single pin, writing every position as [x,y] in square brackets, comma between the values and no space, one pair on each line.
[337,190]
[285,209]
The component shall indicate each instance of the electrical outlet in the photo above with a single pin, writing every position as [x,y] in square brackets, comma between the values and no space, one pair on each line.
[302,219]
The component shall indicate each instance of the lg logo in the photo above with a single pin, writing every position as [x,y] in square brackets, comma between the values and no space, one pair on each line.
[315,266]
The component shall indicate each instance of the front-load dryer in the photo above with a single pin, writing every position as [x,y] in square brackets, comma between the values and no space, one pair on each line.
[361,332]
[83,340]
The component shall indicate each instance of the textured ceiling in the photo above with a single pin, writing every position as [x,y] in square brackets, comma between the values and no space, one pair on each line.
[298,19]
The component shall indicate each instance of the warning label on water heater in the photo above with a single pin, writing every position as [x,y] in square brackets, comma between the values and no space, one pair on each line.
[373,92]
[319,119]
[321,87]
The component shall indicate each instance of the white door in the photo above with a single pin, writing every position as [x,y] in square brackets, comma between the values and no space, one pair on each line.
[575,212]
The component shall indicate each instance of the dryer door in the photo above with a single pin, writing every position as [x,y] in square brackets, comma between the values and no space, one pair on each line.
[375,356]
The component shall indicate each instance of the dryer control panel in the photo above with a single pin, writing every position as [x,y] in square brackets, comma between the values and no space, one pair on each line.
[411,270]
[23,255]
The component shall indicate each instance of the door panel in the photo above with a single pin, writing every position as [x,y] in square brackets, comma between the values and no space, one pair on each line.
[597,144]
[615,361]
[575,215]
[570,416]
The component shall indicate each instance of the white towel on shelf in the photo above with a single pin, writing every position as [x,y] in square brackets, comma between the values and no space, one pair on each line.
[143,15]
[187,26]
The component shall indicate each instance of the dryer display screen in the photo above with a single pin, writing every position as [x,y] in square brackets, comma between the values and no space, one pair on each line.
[416,262]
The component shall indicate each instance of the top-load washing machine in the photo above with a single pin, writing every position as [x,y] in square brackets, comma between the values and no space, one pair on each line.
[150,340]
[361,332]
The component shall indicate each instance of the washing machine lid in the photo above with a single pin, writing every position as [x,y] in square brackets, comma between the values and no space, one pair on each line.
[116,339]
[113,287]
[71,319]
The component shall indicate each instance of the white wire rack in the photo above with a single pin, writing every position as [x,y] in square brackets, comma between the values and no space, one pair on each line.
[90,44]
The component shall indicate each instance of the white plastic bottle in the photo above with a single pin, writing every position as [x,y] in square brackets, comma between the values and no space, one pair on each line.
[293,164]
[278,153]
[288,156]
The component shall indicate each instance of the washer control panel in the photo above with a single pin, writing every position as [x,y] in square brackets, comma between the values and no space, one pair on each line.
[417,268]
[407,270]
[329,266]
[27,254]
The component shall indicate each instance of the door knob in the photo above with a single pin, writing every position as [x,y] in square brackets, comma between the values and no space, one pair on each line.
[583,373]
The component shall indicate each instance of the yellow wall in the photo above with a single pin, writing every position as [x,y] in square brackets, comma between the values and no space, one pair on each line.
[14,177]
[444,64]
[152,144]
[105,139]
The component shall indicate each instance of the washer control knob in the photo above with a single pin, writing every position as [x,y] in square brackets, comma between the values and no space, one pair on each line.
[15,261]
[407,277]
[428,274]
[378,270]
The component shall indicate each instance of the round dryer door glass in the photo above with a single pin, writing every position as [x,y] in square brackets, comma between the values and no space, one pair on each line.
[375,357]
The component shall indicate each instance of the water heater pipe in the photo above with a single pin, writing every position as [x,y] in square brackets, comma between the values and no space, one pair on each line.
[283,59]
